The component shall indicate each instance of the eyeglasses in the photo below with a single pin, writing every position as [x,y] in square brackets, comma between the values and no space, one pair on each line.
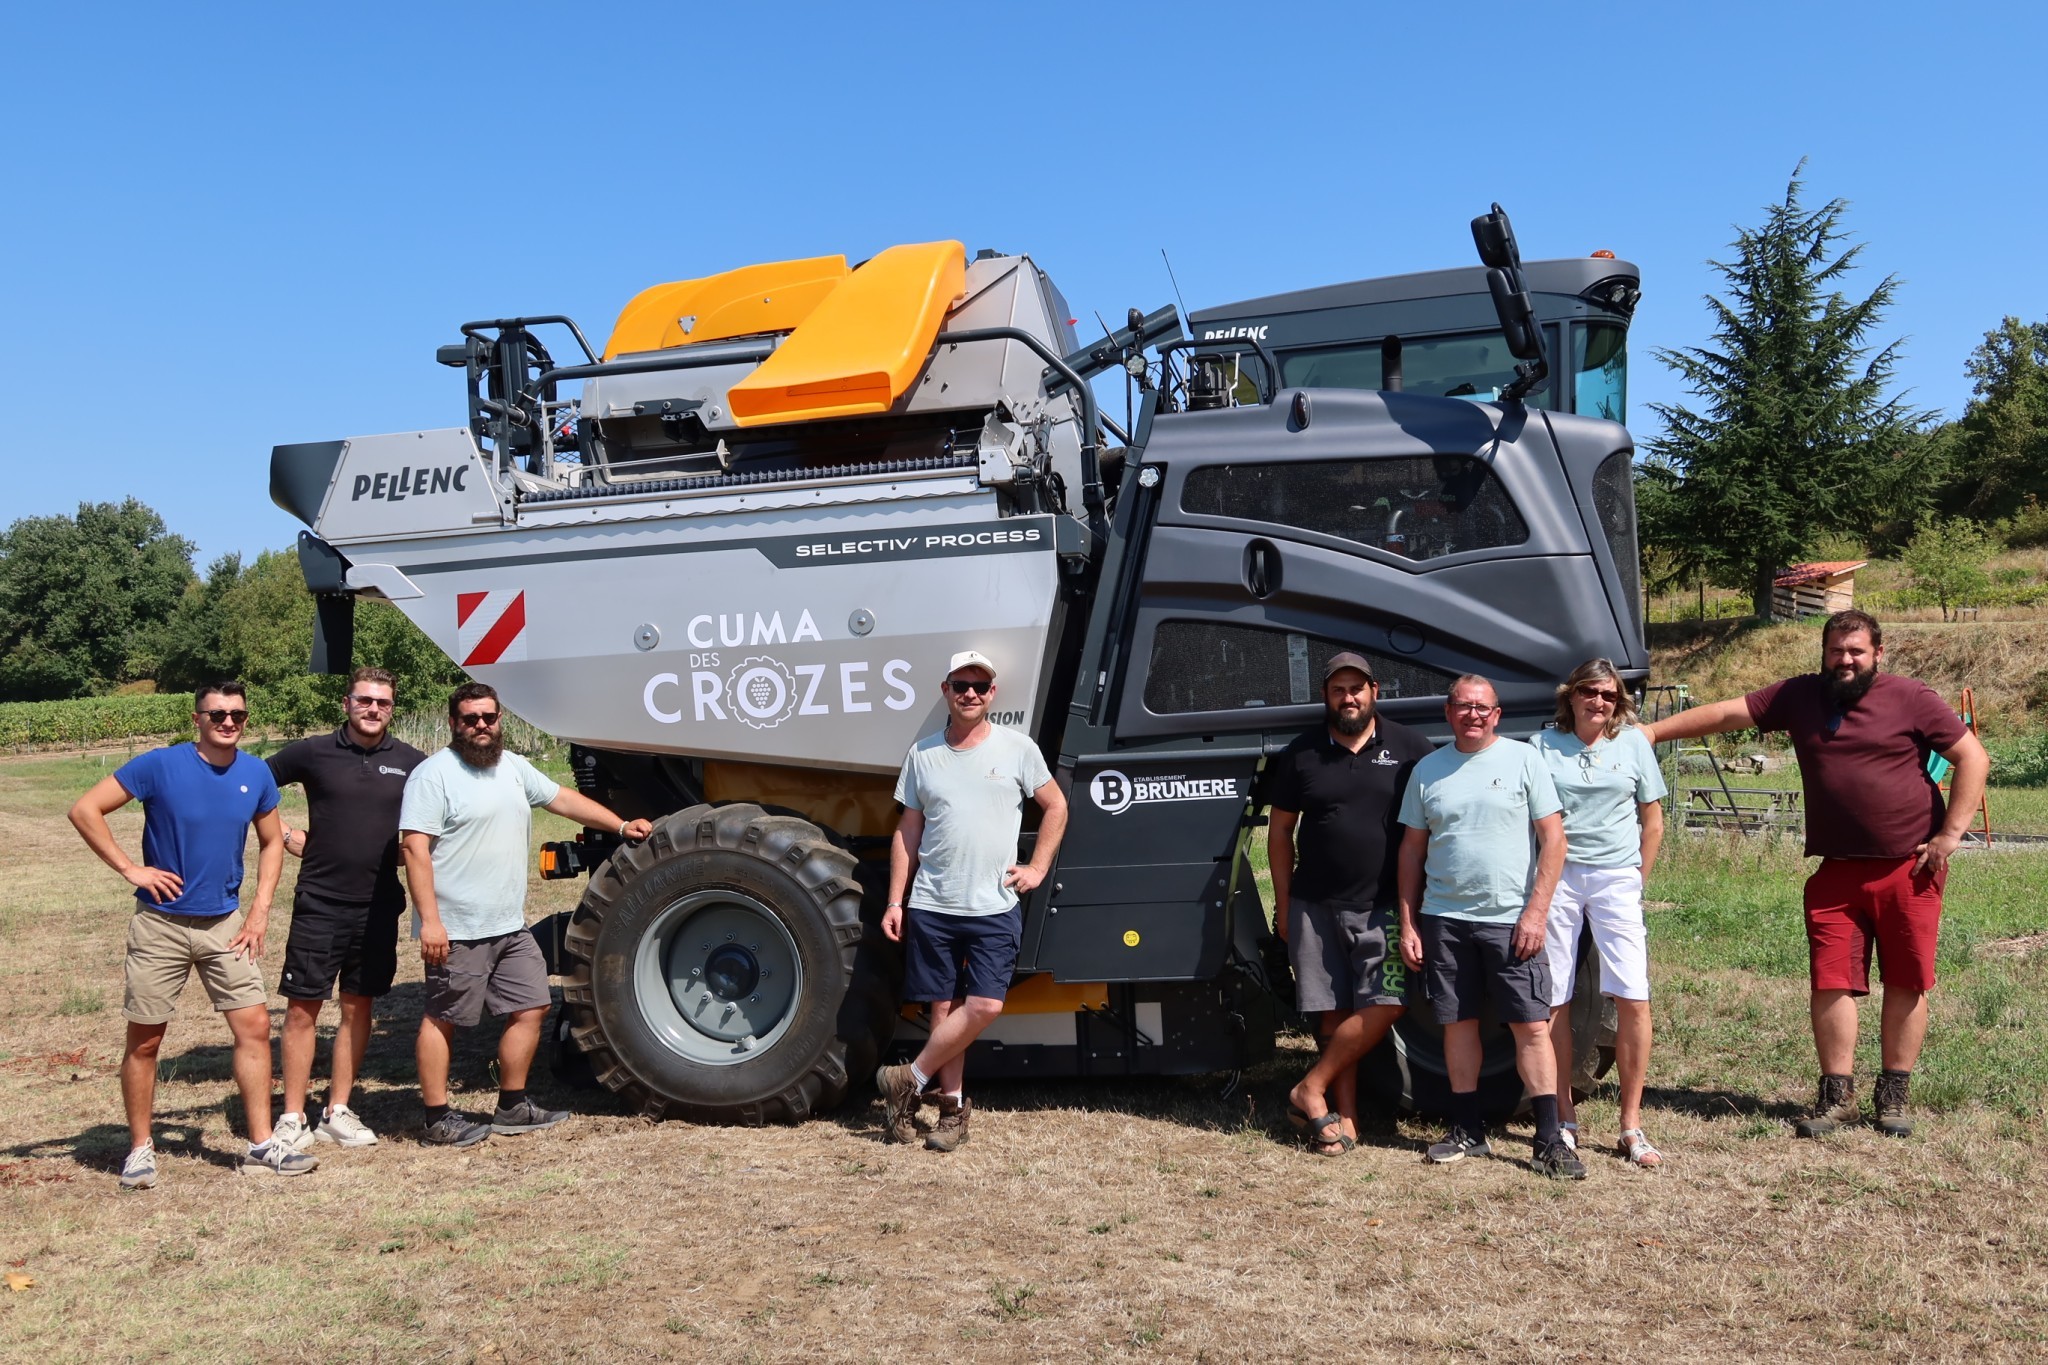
[962,686]
[1599,694]
[236,717]
[478,718]
[1475,708]
[371,703]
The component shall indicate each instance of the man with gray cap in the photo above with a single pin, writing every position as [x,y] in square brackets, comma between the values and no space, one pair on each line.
[1330,839]
[963,792]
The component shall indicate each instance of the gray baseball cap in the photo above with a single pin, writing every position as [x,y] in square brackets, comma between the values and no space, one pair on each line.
[1339,662]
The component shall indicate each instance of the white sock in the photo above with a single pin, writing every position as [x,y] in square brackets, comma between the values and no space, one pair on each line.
[919,1077]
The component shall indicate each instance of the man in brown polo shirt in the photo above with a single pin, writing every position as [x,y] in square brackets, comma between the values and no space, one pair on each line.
[1876,820]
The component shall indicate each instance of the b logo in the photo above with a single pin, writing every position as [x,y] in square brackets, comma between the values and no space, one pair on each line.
[1111,791]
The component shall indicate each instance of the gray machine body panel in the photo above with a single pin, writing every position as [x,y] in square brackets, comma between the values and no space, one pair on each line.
[809,636]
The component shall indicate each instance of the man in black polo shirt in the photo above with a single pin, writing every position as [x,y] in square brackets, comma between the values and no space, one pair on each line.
[1338,788]
[345,911]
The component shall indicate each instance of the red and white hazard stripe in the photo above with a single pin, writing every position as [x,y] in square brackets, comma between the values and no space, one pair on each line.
[490,627]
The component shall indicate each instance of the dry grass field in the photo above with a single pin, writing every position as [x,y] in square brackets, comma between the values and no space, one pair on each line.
[1163,1220]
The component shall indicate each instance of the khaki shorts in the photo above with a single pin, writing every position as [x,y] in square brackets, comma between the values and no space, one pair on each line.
[162,951]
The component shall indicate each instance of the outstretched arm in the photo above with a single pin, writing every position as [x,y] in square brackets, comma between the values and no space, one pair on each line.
[1715,718]
[574,805]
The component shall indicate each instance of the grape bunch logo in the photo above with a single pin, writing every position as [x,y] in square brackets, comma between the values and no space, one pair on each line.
[761,691]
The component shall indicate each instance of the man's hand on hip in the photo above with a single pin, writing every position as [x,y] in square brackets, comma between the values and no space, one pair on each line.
[1023,879]
[160,884]
[1934,854]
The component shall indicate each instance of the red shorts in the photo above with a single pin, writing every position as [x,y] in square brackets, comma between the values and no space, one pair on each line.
[1852,903]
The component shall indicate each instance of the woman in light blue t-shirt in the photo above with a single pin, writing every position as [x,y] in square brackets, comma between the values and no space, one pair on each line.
[1607,777]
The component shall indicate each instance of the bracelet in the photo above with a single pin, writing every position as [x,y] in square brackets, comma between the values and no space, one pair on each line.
[622,828]
[893,905]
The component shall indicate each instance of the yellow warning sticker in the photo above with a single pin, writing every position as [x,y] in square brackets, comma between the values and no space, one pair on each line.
[1130,938]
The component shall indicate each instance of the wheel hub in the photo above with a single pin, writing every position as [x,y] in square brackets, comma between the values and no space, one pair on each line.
[717,976]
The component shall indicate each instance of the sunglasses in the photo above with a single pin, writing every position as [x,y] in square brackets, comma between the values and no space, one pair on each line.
[371,703]
[962,686]
[1599,694]
[235,717]
[478,718]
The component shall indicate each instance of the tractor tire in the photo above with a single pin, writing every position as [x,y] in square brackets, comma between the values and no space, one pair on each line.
[715,972]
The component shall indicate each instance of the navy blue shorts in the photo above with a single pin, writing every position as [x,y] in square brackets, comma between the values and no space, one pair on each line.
[950,957]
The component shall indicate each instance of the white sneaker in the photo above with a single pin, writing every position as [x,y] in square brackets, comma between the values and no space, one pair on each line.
[274,1158]
[291,1130]
[138,1172]
[341,1125]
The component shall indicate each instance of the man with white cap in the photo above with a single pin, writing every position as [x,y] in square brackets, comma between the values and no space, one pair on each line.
[955,853]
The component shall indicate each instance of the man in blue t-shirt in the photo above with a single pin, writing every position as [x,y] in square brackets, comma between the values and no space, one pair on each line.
[198,801]
[1479,861]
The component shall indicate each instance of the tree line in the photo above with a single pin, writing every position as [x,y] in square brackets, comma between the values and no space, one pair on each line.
[107,598]
[1796,435]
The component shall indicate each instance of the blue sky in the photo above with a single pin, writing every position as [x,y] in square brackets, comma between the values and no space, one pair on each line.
[232,227]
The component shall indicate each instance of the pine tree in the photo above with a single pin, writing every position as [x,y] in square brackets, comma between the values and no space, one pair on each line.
[1794,435]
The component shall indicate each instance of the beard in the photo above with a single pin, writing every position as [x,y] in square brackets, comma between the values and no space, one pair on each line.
[1846,692]
[479,748]
[1348,723]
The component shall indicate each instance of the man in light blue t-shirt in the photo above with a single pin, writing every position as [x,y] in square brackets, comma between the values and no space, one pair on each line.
[1475,903]
[465,826]
[963,793]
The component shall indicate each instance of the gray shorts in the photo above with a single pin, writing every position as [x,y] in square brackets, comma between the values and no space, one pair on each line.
[1466,962]
[1344,959]
[503,974]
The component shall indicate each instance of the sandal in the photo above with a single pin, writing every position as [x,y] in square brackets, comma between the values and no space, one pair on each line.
[1636,1150]
[1325,1143]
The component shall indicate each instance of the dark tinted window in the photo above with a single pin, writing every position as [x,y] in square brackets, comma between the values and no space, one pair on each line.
[1600,365]
[1614,499]
[1421,508]
[1476,366]
[1211,666]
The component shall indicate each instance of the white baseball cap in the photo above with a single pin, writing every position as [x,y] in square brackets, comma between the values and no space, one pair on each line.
[970,658]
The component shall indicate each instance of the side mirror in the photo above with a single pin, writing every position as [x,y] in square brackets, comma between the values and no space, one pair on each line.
[1495,238]
[1517,315]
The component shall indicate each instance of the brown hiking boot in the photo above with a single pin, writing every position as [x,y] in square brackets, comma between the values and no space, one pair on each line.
[1835,1107]
[900,1099]
[1888,1105]
[951,1134]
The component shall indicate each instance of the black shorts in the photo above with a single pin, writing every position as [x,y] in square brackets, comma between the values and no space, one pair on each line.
[950,957]
[356,944]
[1465,962]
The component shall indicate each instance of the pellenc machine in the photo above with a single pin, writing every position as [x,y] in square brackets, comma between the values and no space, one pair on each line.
[730,571]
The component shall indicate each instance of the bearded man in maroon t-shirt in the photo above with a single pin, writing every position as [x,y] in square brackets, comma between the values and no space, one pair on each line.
[1875,819]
